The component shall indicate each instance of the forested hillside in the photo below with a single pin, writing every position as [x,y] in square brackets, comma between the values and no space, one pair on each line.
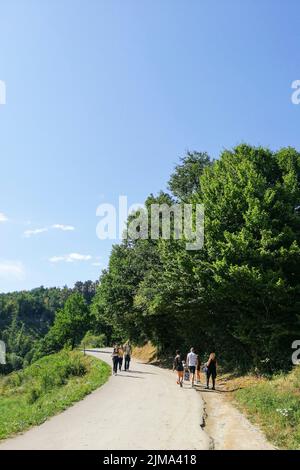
[26,317]
[240,294]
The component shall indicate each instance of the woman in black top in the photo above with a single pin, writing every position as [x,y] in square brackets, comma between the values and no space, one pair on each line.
[211,371]
[178,366]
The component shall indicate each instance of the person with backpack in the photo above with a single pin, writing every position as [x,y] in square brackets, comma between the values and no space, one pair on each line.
[115,359]
[178,366]
[211,370]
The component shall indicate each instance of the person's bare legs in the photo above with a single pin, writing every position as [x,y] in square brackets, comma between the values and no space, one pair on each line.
[180,378]
[192,375]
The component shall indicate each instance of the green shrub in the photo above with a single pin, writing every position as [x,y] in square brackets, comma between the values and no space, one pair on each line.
[14,380]
[34,394]
[76,367]
[91,340]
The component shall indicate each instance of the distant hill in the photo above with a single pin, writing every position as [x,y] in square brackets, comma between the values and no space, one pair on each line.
[26,316]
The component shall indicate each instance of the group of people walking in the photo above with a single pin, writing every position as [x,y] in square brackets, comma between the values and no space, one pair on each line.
[119,355]
[190,368]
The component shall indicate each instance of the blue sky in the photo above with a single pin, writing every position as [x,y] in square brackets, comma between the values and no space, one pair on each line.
[104,96]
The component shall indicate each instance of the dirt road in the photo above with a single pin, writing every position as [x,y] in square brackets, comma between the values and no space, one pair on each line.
[140,409]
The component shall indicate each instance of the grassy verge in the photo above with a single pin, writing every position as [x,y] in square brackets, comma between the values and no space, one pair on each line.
[275,406]
[45,388]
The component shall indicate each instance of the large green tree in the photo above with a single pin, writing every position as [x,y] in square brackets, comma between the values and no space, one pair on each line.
[252,235]
[70,325]
[240,294]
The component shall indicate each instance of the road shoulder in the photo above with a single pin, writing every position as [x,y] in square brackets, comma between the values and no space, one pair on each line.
[227,427]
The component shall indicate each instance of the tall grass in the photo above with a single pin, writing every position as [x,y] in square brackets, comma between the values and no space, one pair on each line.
[275,406]
[48,386]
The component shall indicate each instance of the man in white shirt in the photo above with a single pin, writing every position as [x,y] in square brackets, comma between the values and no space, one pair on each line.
[191,361]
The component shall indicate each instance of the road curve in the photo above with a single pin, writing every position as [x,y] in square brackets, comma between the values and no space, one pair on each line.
[139,409]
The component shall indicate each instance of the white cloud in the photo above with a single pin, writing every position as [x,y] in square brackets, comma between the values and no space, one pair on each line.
[37,231]
[29,233]
[63,227]
[12,270]
[70,258]
[3,217]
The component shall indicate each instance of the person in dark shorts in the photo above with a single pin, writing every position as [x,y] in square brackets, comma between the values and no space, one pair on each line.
[178,366]
[211,371]
[192,362]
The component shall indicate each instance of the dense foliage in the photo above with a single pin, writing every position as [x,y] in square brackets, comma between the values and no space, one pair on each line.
[27,316]
[240,294]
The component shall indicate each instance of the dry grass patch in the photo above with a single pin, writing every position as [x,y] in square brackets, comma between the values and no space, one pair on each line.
[146,353]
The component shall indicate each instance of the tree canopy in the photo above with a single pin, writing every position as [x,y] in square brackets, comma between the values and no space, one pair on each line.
[238,295]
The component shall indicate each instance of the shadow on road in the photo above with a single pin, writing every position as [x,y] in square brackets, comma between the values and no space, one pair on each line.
[141,372]
[204,390]
[129,376]
[97,351]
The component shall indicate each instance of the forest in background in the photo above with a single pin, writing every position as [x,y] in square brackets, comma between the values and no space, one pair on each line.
[27,316]
[239,295]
